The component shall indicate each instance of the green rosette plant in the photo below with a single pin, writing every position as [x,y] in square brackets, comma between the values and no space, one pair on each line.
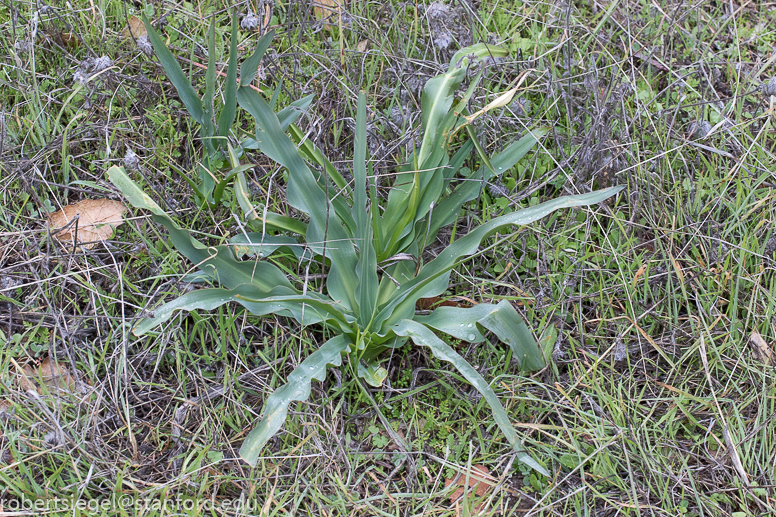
[372,250]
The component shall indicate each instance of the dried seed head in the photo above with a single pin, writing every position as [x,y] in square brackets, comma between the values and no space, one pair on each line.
[769,88]
[443,40]
[80,77]
[497,189]
[101,63]
[23,46]
[144,45]
[438,11]
[699,129]
[131,161]
[250,21]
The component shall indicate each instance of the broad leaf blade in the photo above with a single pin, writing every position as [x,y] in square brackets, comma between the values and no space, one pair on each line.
[296,389]
[433,278]
[284,301]
[251,65]
[501,319]
[174,72]
[421,335]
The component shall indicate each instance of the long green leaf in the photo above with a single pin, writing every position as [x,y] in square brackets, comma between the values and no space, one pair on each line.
[216,261]
[307,310]
[325,229]
[433,278]
[174,72]
[249,67]
[296,389]
[421,335]
[208,129]
[366,268]
[501,319]
[447,210]
[228,112]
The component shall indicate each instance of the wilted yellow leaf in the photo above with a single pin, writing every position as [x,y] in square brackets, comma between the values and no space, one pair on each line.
[97,219]
[136,28]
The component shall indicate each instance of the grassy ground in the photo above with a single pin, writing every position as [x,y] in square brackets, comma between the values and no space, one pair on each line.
[660,306]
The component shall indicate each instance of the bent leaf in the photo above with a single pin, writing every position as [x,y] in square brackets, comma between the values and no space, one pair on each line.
[216,261]
[296,389]
[501,319]
[421,335]
[433,278]
[306,309]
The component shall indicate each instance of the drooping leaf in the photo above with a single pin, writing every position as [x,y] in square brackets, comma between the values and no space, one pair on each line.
[433,278]
[501,319]
[306,309]
[296,389]
[217,261]
[421,335]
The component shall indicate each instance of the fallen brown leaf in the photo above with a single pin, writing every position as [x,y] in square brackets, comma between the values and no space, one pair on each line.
[63,39]
[48,376]
[97,219]
[761,348]
[479,478]
[135,29]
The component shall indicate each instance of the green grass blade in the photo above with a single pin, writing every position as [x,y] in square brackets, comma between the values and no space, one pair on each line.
[228,112]
[421,335]
[174,72]
[296,389]
[249,67]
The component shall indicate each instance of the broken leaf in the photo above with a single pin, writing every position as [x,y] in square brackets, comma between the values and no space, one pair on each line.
[97,219]
[49,376]
[761,348]
[136,28]
[479,479]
